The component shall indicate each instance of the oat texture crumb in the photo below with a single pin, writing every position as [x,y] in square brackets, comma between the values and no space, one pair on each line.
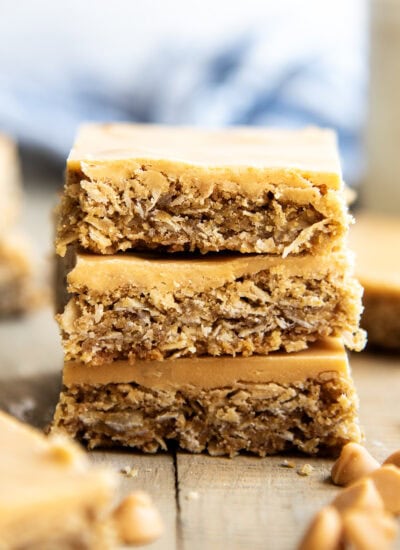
[305,470]
[128,471]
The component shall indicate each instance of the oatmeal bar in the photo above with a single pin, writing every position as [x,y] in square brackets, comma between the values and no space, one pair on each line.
[263,404]
[16,292]
[376,241]
[186,189]
[134,306]
[50,496]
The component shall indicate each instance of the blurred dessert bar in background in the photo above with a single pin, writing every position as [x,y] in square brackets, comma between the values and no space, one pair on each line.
[376,241]
[16,294]
[50,494]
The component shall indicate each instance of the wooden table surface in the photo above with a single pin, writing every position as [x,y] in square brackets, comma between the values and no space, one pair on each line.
[206,502]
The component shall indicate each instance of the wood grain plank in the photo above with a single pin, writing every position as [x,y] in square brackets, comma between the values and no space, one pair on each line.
[247,501]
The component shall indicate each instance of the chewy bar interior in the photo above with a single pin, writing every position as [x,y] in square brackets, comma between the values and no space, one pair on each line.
[376,241]
[140,306]
[249,190]
[50,495]
[263,404]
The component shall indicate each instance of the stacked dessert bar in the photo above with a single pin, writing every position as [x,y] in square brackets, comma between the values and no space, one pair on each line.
[206,291]
[15,268]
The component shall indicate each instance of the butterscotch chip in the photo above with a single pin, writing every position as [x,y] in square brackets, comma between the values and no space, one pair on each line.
[363,495]
[324,531]
[305,470]
[353,463]
[394,459]
[369,530]
[137,520]
[387,481]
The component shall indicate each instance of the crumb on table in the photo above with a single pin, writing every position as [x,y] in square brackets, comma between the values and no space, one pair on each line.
[305,470]
[288,464]
[128,471]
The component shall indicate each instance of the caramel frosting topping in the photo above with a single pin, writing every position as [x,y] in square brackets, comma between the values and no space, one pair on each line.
[375,240]
[197,274]
[288,155]
[215,372]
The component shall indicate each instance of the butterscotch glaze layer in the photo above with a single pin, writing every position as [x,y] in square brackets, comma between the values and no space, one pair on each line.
[216,372]
[251,190]
[310,152]
[192,274]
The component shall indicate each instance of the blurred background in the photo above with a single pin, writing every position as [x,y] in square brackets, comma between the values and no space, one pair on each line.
[208,62]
